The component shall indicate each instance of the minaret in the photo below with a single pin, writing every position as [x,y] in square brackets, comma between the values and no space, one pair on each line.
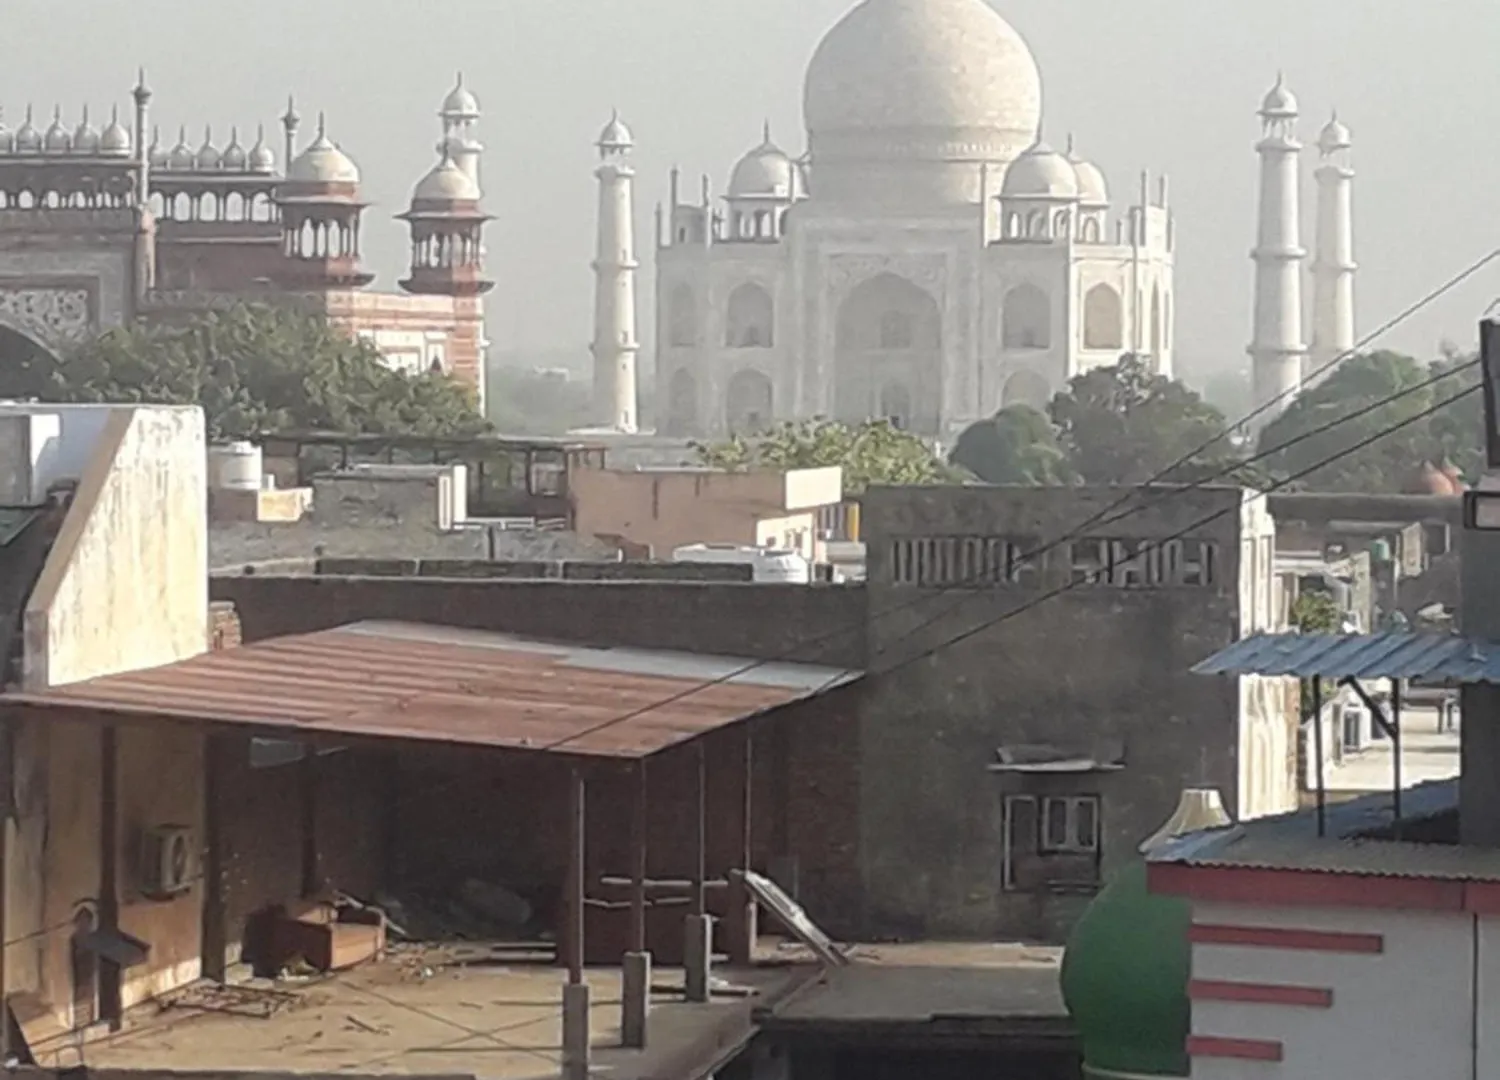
[1278,348]
[615,343]
[1333,262]
[460,116]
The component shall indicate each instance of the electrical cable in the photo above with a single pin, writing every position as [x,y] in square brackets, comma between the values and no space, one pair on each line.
[754,665]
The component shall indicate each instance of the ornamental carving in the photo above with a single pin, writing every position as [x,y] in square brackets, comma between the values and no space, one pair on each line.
[47,316]
[847,272]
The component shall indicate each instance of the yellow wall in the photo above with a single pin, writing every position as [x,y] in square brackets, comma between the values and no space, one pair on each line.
[126,584]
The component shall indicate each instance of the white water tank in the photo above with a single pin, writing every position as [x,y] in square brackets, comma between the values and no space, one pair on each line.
[780,565]
[235,466]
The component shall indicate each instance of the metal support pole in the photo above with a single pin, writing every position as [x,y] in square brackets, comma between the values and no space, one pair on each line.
[700,835]
[575,888]
[638,860]
[1319,753]
[1396,753]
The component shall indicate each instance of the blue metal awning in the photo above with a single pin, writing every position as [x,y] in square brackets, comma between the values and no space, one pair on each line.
[1397,654]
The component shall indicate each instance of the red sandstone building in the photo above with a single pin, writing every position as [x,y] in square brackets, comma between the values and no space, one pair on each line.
[99,227]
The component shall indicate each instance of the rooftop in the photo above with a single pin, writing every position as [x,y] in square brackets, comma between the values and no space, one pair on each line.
[1431,658]
[441,684]
[472,1011]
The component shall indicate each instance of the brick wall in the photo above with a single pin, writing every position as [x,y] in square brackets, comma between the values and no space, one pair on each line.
[814,624]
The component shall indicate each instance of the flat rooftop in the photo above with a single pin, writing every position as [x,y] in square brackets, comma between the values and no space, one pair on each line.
[999,988]
[466,1010]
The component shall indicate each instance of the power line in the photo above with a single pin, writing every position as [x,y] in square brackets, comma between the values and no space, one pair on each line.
[1095,519]
[1157,543]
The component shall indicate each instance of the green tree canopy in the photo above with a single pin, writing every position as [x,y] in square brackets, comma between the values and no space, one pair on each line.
[1320,418]
[1016,446]
[253,368]
[875,452]
[1128,425]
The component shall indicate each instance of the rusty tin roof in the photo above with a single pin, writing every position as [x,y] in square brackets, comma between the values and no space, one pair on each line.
[442,684]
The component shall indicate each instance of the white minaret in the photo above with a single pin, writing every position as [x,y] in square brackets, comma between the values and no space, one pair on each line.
[615,343]
[1333,262]
[460,116]
[1278,348]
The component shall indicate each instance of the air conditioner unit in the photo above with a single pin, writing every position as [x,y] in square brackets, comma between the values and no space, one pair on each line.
[166,861]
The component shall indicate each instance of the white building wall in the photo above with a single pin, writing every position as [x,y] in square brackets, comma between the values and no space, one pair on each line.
[1403,1012]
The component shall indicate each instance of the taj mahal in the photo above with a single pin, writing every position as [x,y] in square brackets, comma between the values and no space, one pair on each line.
[929,258]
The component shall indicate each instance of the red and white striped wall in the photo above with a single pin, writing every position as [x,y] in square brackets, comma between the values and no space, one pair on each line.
[1319,976]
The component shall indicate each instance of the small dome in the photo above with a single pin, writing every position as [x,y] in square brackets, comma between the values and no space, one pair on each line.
[86,138]
[262,158]
[460,104]
[7,138]
[1093,192]
[616,135]
[57,139]
[182,158]
[158,153]
[446,183]
[1280,103]
[322,163]
[1040,173]
[1334,137]
[765,172]
[234,157]
[1126,967]
[116,140]
[28,139]
[208,157]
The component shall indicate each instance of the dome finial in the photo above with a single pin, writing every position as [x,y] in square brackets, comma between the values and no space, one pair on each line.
[765,132]
[322,124]
[290,120]
[1071,152]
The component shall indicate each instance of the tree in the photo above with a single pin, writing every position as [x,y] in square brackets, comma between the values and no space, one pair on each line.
[874,452]
[1455,434]
[1016,446]
[1128,425]
[253,368]
[1323,418]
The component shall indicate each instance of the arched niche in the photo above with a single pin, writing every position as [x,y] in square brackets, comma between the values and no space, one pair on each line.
[748,403]
[750,321]
[682,317]
[889,332]
[1026,388]
[1103,318]
[682,404]
[1026,319]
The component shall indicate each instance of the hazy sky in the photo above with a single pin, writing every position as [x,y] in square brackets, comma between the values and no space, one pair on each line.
[1165,84]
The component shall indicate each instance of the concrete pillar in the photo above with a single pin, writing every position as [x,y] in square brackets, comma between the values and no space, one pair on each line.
[697,956]
[575,1031]
[635,999]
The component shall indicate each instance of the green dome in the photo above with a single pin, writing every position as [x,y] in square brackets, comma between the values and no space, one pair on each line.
[1124,977]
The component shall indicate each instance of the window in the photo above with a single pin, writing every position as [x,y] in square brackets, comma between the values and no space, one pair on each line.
[1143,564]
[1070,823]
[1051,843]
[963,561]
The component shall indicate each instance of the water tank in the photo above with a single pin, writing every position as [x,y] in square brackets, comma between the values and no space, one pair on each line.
[235,466]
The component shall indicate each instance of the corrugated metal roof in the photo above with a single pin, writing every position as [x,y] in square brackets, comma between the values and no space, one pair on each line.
[1391,655]
[433,683]
[1291,842]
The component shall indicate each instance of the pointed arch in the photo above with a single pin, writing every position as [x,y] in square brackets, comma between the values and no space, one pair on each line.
[1026,319]
[749,402]
[682,317]
[750,318]
[682,404]
[889,332]
[1103,318]
[1026,388]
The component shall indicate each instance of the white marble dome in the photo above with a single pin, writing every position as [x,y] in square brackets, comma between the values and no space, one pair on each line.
[765,172]
[322,163]
[1041,173]
[950,68]
[446,183]
[1093,189]
[1335,136]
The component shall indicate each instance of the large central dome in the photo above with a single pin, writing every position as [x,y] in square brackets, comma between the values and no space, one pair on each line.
[937,81]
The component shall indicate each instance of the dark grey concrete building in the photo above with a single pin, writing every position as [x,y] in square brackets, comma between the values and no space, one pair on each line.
[1030,716]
